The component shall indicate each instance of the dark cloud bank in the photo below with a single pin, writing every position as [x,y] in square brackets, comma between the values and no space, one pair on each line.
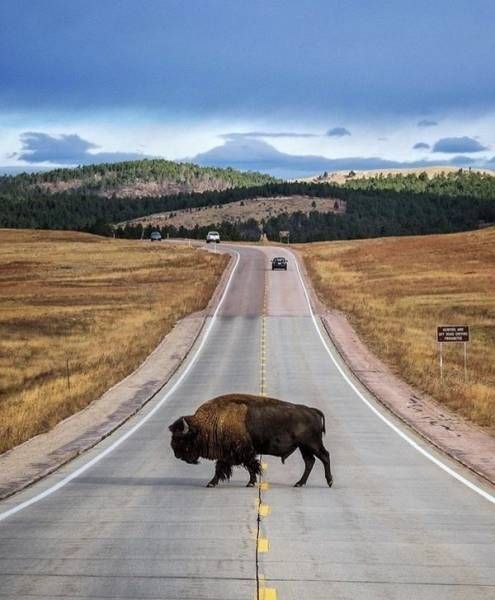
[257,155]
[239,151]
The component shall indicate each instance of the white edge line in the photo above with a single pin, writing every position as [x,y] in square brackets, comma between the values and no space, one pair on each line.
[138,425]
[392,426]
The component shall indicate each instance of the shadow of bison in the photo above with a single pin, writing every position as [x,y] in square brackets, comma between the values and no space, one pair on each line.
[235,428]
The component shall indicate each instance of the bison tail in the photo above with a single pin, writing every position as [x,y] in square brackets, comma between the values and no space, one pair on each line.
[323,429]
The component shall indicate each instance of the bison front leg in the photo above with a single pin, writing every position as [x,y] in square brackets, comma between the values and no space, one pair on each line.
[309,461]
[254,468]
[222,471]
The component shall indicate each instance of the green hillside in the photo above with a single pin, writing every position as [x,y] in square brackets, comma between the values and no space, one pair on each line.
[399,205]
[143,178]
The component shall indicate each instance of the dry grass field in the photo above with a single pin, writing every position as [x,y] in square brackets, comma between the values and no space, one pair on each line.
[79,312]
[242,210]
[396,291]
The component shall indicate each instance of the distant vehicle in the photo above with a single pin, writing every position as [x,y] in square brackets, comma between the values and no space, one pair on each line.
[156,236]
[279,262]
[213,236]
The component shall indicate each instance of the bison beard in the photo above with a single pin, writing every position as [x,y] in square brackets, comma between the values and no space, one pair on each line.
[235,428]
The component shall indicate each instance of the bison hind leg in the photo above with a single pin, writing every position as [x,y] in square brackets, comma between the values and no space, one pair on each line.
[309,461]
[253,465]
[223,470]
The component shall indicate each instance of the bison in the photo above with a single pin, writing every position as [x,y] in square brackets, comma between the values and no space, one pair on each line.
[235,428]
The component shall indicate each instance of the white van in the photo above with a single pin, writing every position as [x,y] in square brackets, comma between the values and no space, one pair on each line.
[213,236]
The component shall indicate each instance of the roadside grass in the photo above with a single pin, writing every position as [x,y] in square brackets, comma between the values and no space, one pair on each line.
[395,291]
[78,313]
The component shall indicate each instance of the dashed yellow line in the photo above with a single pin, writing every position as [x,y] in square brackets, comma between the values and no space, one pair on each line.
[263,357]
[263,544]
[263,509]
[267,594]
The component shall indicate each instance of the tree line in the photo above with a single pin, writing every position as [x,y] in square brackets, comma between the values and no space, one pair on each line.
[98,177]
[397,205]
[367,215]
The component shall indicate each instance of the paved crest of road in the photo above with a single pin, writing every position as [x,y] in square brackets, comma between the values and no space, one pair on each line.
[140,524]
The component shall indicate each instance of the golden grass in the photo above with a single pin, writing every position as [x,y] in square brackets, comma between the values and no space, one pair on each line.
[397,290]
[241,210]
[82,311]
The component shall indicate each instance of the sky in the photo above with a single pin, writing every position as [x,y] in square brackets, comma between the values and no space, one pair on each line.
[288,87]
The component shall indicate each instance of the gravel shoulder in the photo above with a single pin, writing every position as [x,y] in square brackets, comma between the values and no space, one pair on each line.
[43,454]
[460,439]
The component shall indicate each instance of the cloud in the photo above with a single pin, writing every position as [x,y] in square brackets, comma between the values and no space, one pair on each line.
[421,146]
[462,161]
[266,134]
[237,135]
[66,149]
[257,155]
[338,132]
[427,123]
[454,145]
[491,161]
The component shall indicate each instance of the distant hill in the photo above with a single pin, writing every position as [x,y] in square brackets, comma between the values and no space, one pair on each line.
[130,179]
[374,206]
[369,207]
[344,176]
[260,209]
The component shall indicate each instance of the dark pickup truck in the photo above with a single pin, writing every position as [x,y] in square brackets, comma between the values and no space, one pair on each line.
[279,262]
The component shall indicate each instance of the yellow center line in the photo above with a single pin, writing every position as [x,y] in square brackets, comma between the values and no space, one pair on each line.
[262,508]
[263,357]
[263,545]
[267,594]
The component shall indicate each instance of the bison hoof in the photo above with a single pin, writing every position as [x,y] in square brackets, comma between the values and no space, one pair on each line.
[250,484]
[330,483]
[211,484]
[299,484]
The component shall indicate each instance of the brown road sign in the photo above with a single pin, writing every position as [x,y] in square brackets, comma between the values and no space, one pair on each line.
[453,333]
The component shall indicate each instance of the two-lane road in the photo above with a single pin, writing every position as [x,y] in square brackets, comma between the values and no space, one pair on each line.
[140,524]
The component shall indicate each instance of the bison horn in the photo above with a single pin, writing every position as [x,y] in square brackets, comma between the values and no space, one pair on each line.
[185,428]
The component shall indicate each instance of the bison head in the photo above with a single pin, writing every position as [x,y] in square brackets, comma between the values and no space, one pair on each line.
[184,441]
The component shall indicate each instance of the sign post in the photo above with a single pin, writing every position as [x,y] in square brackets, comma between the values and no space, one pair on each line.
[465,362]
[440,344]
[453,333]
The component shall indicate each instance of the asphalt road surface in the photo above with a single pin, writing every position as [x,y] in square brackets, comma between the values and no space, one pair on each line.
[139,524]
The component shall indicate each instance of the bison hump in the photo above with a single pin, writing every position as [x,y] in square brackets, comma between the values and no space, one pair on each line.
[223,430]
